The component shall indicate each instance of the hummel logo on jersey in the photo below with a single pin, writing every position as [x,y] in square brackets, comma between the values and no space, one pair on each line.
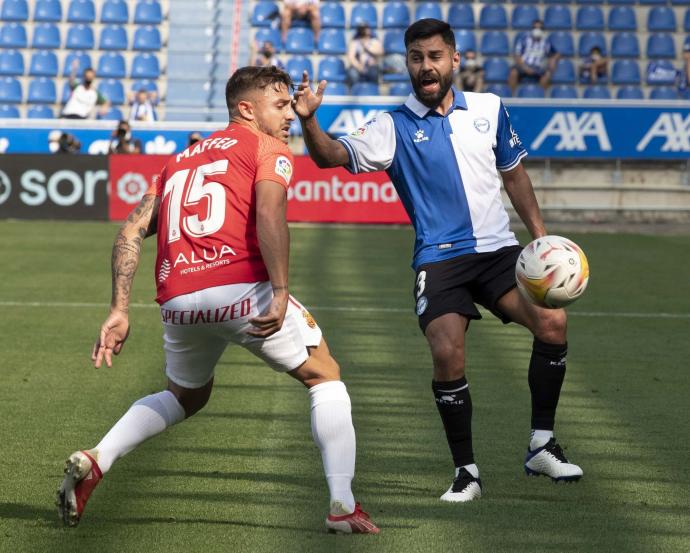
[420,137]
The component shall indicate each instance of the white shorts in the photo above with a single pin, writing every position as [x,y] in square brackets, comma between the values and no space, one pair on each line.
[199,326]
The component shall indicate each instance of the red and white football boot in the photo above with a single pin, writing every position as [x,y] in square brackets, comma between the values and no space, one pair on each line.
[357,522]
[82,475]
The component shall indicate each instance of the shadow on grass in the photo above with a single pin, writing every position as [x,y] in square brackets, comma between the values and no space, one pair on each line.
[22,511]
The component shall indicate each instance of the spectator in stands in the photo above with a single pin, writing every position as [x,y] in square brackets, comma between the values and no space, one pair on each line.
[143,106]
[471,75]
[300,9]
[193,138]
[60,142]
[594,67]
[266,56]
[84,97]
[684,77]
[535,58]
[363,55]
[122,141]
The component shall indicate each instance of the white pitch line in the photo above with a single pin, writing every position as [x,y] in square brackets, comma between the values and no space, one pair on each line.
[337,308]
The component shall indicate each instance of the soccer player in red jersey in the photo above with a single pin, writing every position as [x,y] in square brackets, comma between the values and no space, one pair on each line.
[218,209]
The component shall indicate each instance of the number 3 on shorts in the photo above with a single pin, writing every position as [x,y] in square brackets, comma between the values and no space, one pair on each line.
[421,283]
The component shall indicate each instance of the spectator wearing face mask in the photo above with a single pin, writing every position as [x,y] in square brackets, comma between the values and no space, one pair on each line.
[84,97]
[266,56]
[535,58]
[471,76]
[594,67]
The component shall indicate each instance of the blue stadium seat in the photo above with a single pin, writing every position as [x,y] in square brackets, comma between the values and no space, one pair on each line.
[46,36]
[145,66]
[652,2]
[661,18]
[148,12]
[48,10]
[589,18]
[493,17]
[400,89]
[332,41]
[664,93]
[625,72]
[622,18]
[625,45]
[113,37]
[563,43]
[42,91]
[661,46]
[394,42]
[44,63]
[364,13]
[500,89]
[364,89]
[524,16]
[597,92]
[589,40]
[81,11]
[299,41]
[10,91]
[146,38]
[426,10]
[113,90]
[336,89]
[11,63]
[332,16]
[686,21]
[661,72]
[461,16]
[465,40]
[14,10]
[82,57]
[115,12]
[111,65]
[494,43]
[586,2]
[396,15]
[332,69]
[9,112]
[80,37]
[264,14]
[530,90]
[680,2]
[564,91]
[13,35]
[496,70]
[40,112]
[113,114]
[144,83]
[622,2]
[557,18]
[629,93]
[66,92]
[273,36]
[564,72]
[296,65]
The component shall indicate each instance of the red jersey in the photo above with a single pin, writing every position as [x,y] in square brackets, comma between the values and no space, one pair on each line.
[207,215]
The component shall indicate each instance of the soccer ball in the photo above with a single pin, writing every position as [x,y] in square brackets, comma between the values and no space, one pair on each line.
[552,271]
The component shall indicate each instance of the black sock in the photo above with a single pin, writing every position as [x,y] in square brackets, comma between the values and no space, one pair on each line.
[546,374]
[455,407]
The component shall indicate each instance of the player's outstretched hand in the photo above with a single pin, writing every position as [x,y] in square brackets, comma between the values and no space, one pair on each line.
[306,101]
[271,321]
[114,332]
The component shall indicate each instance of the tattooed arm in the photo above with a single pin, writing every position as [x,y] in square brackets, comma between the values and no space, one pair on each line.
[125,260]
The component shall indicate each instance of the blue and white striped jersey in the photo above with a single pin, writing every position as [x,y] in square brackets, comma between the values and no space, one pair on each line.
[445,170]
[534,52]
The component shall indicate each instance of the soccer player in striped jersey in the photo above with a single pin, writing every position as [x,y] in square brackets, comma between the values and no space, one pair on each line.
[218,209]
[447,153]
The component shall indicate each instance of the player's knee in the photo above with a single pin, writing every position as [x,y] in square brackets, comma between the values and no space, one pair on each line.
[448,357]
[552,326]
[192,400]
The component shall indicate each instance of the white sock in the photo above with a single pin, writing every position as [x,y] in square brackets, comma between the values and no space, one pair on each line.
[539,438]
[472,469]
[145,418]
[331,427]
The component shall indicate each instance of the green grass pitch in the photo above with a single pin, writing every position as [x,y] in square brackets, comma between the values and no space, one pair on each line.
[243,475]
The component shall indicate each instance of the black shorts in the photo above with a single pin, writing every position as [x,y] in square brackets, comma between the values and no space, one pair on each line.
[455,285]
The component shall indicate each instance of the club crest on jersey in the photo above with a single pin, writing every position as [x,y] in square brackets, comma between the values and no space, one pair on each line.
[422,304]
[482,125]
[361,130]
[284,168]
[419,136]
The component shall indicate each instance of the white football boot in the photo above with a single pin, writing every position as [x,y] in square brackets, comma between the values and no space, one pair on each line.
[465,487]
[550,461]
